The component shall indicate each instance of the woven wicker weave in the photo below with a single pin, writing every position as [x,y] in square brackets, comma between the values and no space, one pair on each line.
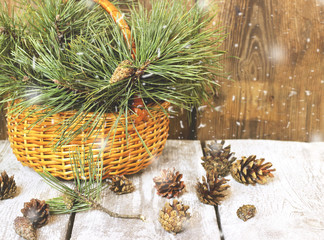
[33,147]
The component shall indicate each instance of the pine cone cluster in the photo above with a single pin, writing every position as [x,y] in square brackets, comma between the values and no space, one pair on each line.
[218,158]
[169,184]
[121,185]
[251,170]
[173,216]
[35,215]
[212,190]
[8,186]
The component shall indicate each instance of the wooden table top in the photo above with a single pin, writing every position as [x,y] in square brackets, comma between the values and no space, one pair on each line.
[289,206]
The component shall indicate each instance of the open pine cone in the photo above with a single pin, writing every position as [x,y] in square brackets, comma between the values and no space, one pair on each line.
[251,170]
[211,191]
[168,184]
[121,185]
[7,186]
[218,158]
[37,212]
[173,216]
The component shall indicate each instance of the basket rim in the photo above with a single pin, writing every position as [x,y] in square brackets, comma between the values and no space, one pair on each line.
[155,108]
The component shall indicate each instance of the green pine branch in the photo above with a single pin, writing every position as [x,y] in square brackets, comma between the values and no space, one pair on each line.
[88,186]
[66,56]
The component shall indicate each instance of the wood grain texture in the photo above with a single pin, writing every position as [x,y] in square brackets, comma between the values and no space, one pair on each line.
[290,205]
[278,79]
[184,156]
[29,185]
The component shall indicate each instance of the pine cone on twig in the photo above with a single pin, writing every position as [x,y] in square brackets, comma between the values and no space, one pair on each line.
[251,170]
[169,184]
[218,158]
[37,212]
[68,201]
[124,70]
[211,191]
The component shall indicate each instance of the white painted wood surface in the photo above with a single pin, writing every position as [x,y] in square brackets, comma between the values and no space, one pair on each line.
[291,205]
[185,157]
[29,185]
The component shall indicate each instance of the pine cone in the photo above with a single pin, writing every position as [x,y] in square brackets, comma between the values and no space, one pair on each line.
[251,170]
[24,228]
[168,184]
[246,212]
[68,201]
[37,212]
[121,185]
[211,191]
[122,72]
[218,158]
[173,216]
[7,186]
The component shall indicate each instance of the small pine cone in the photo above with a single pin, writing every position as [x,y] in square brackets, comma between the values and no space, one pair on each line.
[24,228]
[68,201]
[212,191]
[169,184]
[8,186]
[121,185]
[246,212]
[251,170]
[37,212]
[173,216]
[218,158]
[123,71]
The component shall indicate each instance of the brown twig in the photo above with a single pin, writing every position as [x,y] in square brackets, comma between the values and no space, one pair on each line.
[96,206]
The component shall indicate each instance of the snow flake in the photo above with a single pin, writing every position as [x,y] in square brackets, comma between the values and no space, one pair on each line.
[219,108]
[181,124]
[308,93]
[201,125]
[292,93]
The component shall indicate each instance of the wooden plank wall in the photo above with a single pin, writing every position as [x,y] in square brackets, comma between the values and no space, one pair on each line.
[278,86]
[275,87]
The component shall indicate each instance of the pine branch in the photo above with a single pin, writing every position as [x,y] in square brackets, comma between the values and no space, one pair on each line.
[71,51]
[86,192]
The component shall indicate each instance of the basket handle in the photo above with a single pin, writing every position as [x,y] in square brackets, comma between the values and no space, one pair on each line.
[119,19]
[138,103]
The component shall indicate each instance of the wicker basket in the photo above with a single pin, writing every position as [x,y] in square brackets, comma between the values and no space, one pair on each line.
[33,147]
